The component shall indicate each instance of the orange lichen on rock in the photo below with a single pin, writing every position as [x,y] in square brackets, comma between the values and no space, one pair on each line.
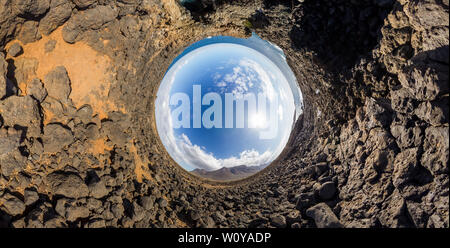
[88,70]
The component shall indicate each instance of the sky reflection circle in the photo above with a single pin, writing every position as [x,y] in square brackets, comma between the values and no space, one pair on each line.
[227,103]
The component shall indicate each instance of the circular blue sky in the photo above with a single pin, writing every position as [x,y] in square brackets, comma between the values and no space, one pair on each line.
[226,104]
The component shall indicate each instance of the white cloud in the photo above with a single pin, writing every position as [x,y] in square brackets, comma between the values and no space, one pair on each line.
[196,156]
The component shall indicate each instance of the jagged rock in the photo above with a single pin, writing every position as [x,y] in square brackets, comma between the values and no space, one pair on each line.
[407,137]
[435,156]
[393,214]
[147,202]
[60,11]
[305,200]
[56,222]
[405,166]
[57,83]
[425,81]
[67,184]
[97,223]
[15,50]
[98,189]
[56,137]
[31,7]
[327,191]
[293,217]
[9,140]
[29,32]
[36,89]
[12,163]
[71,210]
[162,202]
[85,114]
[93,18]
[84,3]
[323,216]
[21,112]
[115,133]
[402,101]
[3,79]
[435,112]
[376,115]
[12,205]
[31,196]
[138,212]
[278,221]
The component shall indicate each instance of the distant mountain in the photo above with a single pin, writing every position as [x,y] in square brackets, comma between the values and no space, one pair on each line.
[228,174]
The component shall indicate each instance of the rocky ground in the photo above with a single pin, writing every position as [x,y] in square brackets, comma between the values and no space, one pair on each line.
[78,143]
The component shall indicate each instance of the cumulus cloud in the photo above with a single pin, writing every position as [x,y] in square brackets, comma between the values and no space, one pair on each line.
[196,156]
[246,75]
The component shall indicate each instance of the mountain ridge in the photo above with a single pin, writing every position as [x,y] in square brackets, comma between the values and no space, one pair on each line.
[228,173]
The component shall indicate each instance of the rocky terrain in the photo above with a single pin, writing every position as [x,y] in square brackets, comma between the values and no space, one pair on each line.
[228,173]
[78,143]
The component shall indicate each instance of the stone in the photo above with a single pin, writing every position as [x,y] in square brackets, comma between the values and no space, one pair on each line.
[407,137]
[29,32]
[405,166]
[12,205]
[163,202]
[207,222]
[147,202]
[305,200]
[55,222]
[376,114]
[60,11]
[90,19]
[31,196]
[84,3]
[115,133]
[394,212]
[138,212]
[434,112]
[9,140]
[293,216]
[321,168]
[3,80]
[21,112]
[71,210]
[50,46]
[57,83]
[36,89]
[323,216]
[31,7]
[56,137]
[278,221]
[15,50]
[85,113]
[98,189]
[118,210]
[67,184]
[219,218]
[425,81]
[327,191]
[436,150]
[12,163]
[402,101]
[97,223]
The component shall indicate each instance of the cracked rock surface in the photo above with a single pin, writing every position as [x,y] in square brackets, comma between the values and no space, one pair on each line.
[78,141]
